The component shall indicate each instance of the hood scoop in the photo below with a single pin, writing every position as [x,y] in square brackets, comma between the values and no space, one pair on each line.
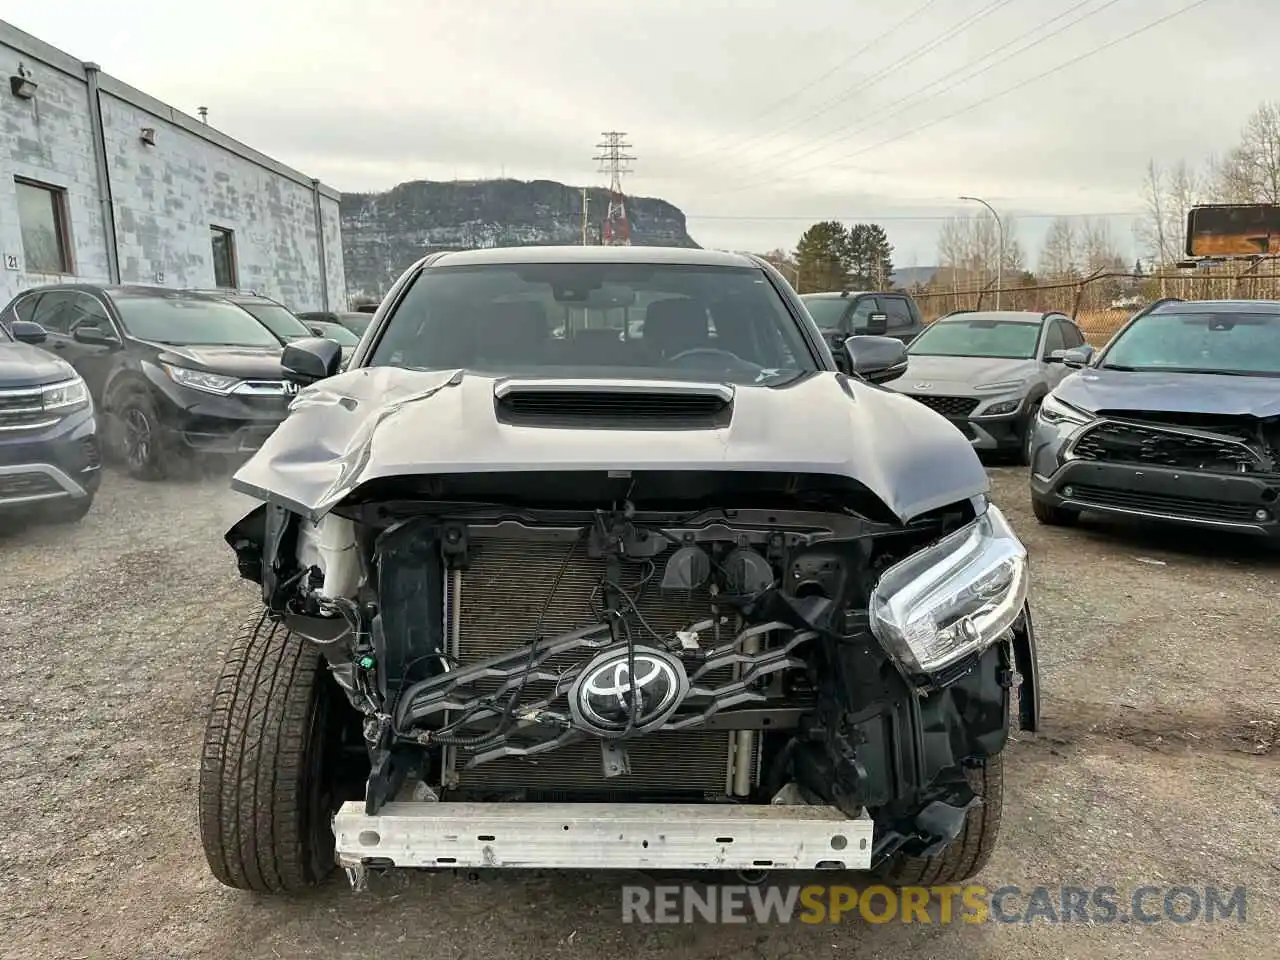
[614,405]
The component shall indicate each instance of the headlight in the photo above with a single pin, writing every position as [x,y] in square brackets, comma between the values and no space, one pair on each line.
[1001,386]
[65,397]
[200,380]
[954,598]
[1054,410]
[1004,406]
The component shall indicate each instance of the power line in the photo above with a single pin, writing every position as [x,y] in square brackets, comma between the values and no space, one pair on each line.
[845,61]
[850,59]
[850,130]
[988,99]
[844,95]
[895,218]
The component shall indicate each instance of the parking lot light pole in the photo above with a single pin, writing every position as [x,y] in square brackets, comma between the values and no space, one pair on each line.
[1000,240]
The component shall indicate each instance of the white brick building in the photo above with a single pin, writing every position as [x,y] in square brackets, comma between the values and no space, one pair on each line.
[102,183]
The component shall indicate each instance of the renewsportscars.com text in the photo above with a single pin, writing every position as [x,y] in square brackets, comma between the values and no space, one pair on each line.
[972,903]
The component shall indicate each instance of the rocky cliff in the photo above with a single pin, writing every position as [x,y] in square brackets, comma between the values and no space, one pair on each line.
[382,233]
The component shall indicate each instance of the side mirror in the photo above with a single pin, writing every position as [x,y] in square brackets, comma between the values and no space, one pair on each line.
[877,324]
[24,331]
[93,335]
[1077,357]
[316,331]
[876,359]
[310,359]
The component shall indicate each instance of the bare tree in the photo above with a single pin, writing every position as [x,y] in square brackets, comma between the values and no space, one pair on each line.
[1059,257]
[1250,173]
[1168,196]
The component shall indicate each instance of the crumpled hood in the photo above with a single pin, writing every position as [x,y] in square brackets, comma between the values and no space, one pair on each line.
[1097,389]
[378,422]
[26,365]
[951,375]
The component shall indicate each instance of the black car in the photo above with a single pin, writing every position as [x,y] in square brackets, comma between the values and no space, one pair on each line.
[660,591]
[173,372]
[356,322]
[844,314]
[272,314]
[1177,419]
[49,457]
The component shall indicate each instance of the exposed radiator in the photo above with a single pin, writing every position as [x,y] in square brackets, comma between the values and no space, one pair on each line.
[503,591]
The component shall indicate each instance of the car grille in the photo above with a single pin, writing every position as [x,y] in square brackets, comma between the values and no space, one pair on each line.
[1189,508]
[23,408]
[1118,442]
[955,407]
[504,589]
[15,485]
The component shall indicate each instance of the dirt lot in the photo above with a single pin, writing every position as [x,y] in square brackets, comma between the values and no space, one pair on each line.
[1158,764]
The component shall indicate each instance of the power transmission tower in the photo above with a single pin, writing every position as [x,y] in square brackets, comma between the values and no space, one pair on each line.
[616,231]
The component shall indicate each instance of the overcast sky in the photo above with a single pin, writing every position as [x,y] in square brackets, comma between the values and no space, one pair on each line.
[756,117]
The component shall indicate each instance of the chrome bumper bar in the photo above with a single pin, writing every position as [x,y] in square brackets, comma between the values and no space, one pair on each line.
[600,836]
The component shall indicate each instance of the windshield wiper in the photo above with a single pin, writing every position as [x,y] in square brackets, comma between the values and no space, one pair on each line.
[1119,366]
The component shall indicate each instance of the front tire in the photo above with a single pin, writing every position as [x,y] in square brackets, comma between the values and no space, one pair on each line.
[969,852]
[1028,434]
[268,766]
[140,438]
[1052,516]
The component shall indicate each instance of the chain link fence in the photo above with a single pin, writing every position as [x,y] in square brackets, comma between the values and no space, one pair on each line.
[1102,302]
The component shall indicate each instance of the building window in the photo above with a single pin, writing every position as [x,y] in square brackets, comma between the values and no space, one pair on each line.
[42,215]
[224,257]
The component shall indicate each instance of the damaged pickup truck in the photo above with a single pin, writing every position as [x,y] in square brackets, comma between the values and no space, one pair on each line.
[547,587]
[1176,420]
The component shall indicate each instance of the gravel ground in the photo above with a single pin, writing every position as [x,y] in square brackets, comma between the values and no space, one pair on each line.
[1157,763]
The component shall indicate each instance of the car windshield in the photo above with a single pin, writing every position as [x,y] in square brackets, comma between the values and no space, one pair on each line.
[977,336]
[575,319]
[337,332]
[190,323]
[357,323]
[826,311]
[1246,344]
[278,320]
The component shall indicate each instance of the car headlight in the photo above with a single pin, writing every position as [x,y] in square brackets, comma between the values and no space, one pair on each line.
[1053,410]
[65,397]
[218,383]
[1000,387]
[1004,406]
[954,598]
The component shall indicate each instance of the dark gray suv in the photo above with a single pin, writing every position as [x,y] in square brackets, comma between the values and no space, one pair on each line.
[845,314]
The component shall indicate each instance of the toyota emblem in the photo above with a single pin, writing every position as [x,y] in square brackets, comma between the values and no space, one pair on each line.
[601,698]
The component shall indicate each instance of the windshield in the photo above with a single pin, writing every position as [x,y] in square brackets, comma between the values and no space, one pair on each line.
[977,336]
[357,322]
[1231,343]
[278,320]
[826,311]
[336,331]
[700,322]
[183,322]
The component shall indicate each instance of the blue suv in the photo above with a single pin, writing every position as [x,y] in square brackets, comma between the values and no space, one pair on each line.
[50,464]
